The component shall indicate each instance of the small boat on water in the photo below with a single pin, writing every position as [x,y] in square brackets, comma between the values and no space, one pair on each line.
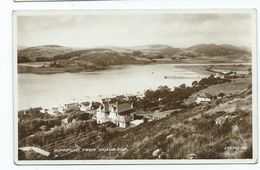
[170,77]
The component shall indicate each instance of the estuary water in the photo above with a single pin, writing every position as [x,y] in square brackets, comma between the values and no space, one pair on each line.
[51,90]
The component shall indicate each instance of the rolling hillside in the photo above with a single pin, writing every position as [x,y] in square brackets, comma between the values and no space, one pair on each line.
[83,59]
[41,53]
[217,50]
[212,53]
[98,57]
[157,49]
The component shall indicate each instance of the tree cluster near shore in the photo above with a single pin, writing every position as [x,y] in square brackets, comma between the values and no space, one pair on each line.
[166,99]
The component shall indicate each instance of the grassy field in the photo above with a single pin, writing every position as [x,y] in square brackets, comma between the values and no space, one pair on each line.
[239,68]
[236,85]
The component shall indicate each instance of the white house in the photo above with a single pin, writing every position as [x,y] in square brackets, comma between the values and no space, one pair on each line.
[85,106]
[101,116]
[64,121]
[118,110]
[43,110]
[72,107]
[137,122]
[204,98]
[218,75]
[54,110]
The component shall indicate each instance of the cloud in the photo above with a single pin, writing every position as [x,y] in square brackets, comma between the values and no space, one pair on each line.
[180,30]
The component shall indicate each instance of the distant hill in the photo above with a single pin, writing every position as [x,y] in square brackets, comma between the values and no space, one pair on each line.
[112,55]
[217,50]
[157,49]
[152,47]
[96,57]
[212,53]
[41,53]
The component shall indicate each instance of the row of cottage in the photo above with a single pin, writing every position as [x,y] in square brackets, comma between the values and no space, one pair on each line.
[83,106]
[118,110]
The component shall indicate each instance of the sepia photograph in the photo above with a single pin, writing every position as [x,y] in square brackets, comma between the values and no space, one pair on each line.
[135,86]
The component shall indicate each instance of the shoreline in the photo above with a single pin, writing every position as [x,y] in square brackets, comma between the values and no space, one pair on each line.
[22,69]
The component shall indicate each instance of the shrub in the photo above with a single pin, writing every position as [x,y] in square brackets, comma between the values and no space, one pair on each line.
[23,59]
[224,129]
[42,59]
[204,125]
[109,124]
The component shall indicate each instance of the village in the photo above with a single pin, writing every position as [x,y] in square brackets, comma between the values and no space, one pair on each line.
[118,110]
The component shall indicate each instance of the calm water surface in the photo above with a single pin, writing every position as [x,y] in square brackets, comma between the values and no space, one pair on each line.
[50,90]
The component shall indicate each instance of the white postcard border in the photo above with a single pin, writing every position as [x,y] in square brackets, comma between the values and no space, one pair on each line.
[135,11]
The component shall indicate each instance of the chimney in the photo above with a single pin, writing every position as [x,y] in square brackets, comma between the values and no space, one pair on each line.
[106,105]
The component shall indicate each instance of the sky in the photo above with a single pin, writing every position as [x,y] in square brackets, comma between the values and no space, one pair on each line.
[124,30]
